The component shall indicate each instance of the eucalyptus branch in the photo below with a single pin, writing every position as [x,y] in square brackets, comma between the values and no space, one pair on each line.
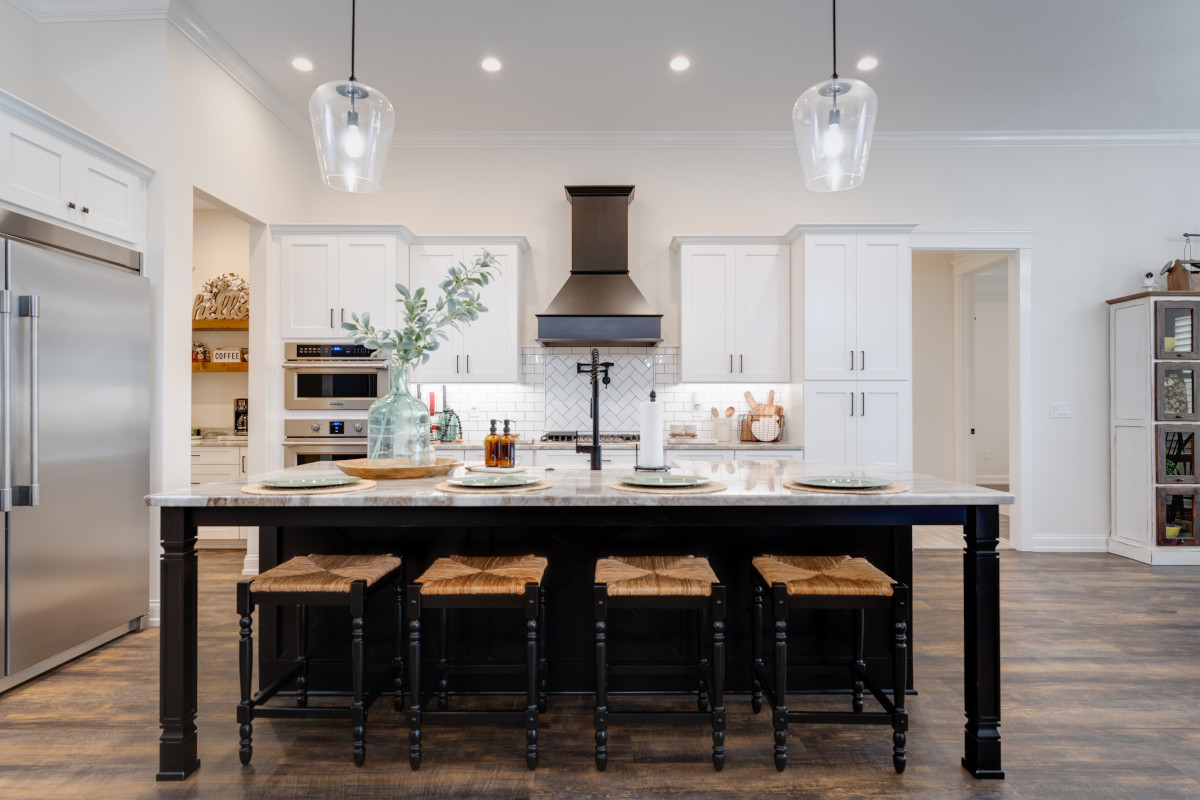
[425,327]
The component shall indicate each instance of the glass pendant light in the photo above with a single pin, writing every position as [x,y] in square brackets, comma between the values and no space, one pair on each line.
[834,121]
[352,123]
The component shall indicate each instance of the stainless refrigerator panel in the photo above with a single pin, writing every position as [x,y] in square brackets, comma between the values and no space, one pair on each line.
[78,561]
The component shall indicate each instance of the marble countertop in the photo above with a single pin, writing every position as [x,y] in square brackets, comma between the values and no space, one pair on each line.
[756,483]
[219,441]
[667,445]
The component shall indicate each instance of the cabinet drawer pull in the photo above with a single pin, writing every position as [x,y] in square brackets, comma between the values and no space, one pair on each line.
[852,404]
[741,363]
[852,361]
[243,464]
[864,404]
[456,369]
[862,359]
[468,363]
[195,455]
[731,362]
[331,317]
[195,483]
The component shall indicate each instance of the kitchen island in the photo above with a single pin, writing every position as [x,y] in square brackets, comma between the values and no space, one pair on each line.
[579,517]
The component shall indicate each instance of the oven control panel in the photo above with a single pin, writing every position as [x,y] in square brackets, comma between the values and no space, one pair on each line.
[297,351]
[325,428]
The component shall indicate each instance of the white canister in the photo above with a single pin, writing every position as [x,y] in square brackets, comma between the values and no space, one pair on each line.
[723,429]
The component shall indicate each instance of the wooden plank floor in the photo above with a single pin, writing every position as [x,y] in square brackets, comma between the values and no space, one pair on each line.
[1101,701]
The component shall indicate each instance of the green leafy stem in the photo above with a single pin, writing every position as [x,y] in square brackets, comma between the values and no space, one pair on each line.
[424,326]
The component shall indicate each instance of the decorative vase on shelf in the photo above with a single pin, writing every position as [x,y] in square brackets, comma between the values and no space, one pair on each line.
[398,423]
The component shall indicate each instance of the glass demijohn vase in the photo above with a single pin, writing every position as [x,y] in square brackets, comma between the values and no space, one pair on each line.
[398,423]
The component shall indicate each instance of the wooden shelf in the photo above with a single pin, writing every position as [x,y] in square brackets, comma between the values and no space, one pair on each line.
[220,324]
[220,366]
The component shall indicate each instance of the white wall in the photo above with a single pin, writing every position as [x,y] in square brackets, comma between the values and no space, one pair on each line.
[1101,216]
[220,245]
[991,376]
[933,364]
[18,52]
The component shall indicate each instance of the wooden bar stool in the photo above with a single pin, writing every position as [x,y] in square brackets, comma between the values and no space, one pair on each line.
[319,580]
[683,582]
[483,583]
[830,582]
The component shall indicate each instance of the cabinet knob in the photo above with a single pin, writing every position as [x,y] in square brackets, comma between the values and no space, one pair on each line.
[84,209]
[70,205]
[316,426]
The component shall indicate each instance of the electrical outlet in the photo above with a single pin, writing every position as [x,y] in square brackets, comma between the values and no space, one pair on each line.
[1060,410]
[987,455]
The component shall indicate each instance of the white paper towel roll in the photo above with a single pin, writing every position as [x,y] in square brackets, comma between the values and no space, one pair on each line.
[652,435]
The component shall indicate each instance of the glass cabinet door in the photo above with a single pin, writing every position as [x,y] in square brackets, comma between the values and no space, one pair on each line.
[1177,319]
[1175,390]
[1176,462]
[1177,516]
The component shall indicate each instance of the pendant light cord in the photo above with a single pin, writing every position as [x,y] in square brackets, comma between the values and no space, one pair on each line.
[353,15]
[834,42]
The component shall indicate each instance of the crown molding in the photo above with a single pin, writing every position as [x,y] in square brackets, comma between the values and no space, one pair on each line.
[206,39]
[93,10]
[1113,138]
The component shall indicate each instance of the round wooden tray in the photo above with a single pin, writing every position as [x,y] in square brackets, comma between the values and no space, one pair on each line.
[390,468]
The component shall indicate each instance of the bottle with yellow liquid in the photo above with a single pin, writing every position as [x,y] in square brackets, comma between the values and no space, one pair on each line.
[507,456]
[491,448]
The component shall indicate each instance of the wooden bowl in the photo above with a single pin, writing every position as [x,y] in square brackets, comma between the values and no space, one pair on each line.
[390,468]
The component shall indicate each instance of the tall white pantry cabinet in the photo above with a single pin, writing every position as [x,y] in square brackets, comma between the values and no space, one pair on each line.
[1154,369]
[854,284]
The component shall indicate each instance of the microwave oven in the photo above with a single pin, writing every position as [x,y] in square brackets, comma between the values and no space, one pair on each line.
[332,378]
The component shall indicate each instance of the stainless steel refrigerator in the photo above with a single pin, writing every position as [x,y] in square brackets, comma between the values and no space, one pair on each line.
[74,445]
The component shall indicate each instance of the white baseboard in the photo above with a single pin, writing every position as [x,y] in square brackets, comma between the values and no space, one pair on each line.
[1134,550]
[250,565]
[990,480]
[154,618]
[1068,543]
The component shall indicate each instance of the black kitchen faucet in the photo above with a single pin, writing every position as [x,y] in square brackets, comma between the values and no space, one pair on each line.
[595,369]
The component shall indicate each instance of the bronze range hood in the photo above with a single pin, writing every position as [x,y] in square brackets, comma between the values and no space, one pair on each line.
[599,304]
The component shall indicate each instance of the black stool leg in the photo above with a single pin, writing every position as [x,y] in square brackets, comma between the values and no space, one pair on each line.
[780,612]
[245,670]
[398,658]
[756,620]
[414,676]
[857,666]
[703,633]
[443,665]
[900,677]
[531,675]
[718,676]
[600,607]
[358,712]
[542,689]
[302,655]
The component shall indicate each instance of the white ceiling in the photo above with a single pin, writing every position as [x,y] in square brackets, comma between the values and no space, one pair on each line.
[600,65]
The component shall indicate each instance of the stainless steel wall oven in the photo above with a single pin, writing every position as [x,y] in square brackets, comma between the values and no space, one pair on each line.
[309,440]
[332,377]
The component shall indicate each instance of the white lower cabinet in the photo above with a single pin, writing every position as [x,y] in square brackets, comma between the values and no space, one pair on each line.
[569,458]
[212,465]
[869,421]
[678,456]
[770,455]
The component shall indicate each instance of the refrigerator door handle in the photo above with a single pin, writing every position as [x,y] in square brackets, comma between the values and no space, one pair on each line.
[5,400]
[29,306]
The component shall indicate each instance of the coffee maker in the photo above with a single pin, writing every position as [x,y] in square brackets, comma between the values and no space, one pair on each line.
[241,416]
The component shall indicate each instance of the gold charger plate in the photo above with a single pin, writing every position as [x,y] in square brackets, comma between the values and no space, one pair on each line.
[390,468]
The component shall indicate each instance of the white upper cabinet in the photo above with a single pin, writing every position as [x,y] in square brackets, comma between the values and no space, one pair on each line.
[734,312]
[56,172]
[488,349]
[867,421]
[857,306]
[325,277]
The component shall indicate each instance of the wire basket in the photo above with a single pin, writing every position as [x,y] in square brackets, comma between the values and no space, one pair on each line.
[760,427]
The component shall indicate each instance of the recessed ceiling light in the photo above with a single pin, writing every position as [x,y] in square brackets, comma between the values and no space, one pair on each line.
[680,63]
[490,64]
[867,63]
[303,64]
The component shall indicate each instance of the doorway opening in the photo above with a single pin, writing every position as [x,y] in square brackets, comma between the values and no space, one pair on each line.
[972,417]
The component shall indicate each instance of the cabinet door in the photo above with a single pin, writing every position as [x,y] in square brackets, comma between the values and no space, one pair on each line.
[830,346]
[707,314]
[309,279]
[761,325]
[885,423]
[884,308]
[366,279]
[37,170]
[491,351]
[428,264]
[107,198]
[830,421]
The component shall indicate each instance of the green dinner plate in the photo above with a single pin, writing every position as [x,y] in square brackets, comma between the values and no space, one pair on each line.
[664,481]
[315,482]
[492,481]
[842,482]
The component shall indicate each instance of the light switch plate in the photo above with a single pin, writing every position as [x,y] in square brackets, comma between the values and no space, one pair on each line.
[1060,410]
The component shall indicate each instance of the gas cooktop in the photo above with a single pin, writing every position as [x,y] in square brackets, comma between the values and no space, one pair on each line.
[582,437]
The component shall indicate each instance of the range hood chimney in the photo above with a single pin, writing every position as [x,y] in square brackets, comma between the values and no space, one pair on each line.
[599,304]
